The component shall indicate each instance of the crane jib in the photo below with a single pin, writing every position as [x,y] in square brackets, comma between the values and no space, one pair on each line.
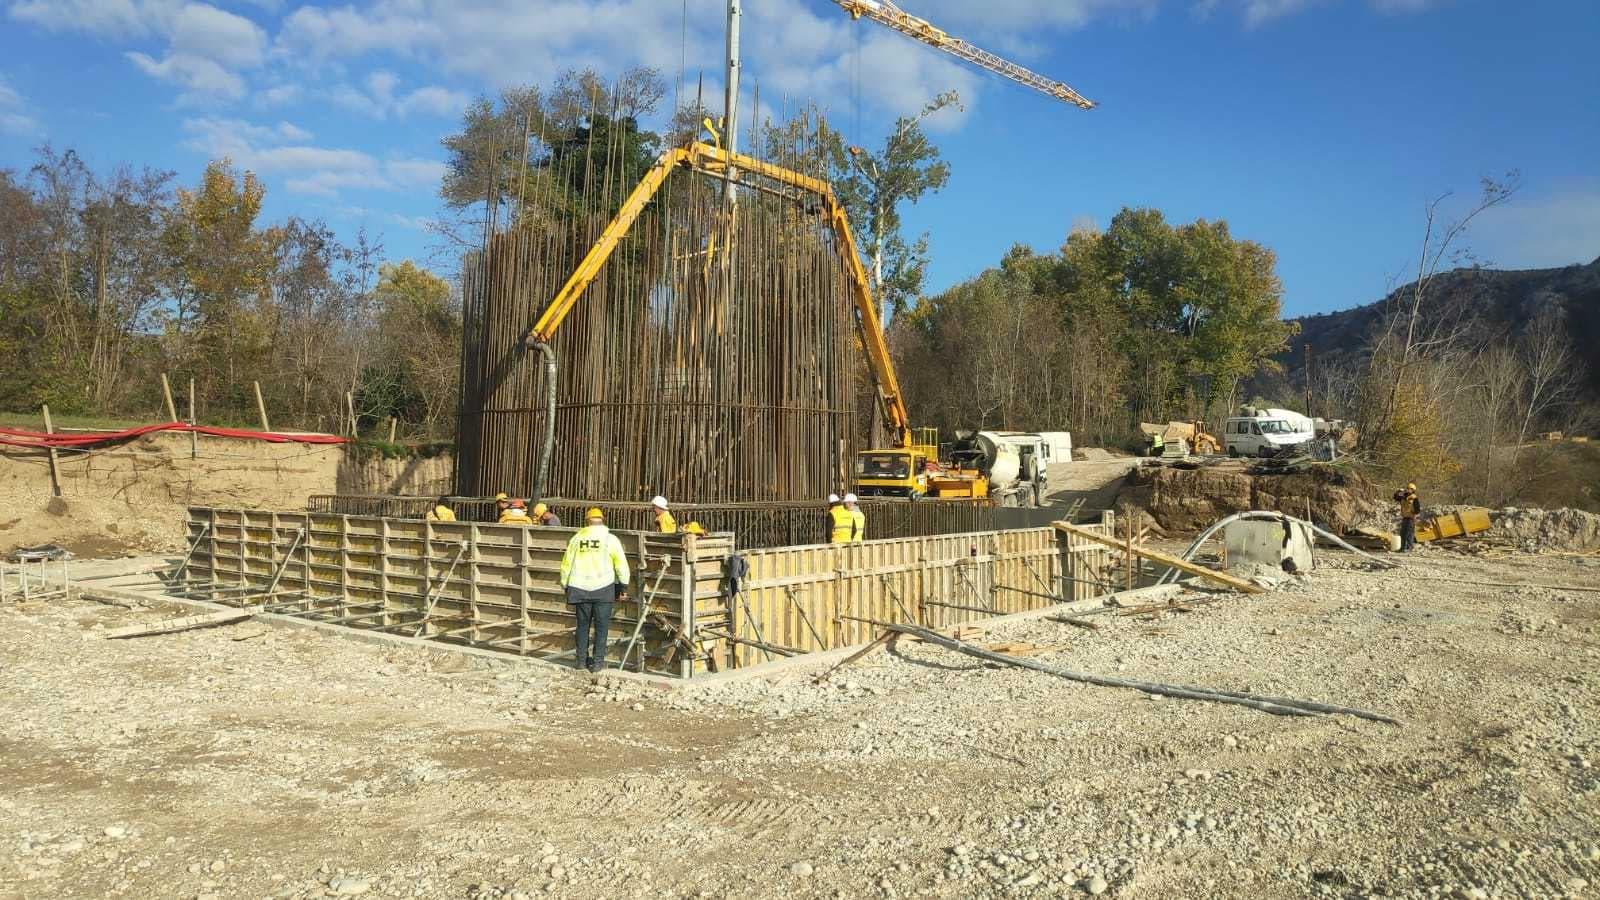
[889,15]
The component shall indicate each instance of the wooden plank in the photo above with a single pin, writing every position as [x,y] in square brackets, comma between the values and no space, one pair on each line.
[1165,559]
[168,626]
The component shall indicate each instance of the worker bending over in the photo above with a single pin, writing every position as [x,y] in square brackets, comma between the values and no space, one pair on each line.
[665,523]
[441,512]
[594,573]
[841,523]
[1410,508]
[858,519]
[543,516]
[515,513]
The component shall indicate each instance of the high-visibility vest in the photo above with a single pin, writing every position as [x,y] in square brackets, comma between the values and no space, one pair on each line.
[515,517]
[666,522]
[858,519]
[441,514]
[844,525]
[594,559]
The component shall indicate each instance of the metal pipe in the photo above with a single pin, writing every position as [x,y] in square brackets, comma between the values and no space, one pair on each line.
[1266,516]
[549,444]
[730,103]
[644,611]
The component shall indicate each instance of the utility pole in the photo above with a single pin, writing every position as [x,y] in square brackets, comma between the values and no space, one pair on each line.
[730,102]
[1308,380]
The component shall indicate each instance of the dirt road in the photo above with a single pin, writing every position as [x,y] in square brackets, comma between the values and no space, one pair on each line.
[247,761]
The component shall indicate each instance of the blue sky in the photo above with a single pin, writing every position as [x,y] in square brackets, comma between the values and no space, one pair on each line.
[1317,127]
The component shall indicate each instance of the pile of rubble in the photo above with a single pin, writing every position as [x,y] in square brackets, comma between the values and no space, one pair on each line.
[1548,529]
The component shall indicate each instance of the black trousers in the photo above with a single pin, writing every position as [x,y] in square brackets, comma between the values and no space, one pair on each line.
[1408,533]
[595,616]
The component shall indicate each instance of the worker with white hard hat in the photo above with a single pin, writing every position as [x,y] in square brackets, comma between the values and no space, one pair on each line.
[841,524]
[858,519]
[665,523]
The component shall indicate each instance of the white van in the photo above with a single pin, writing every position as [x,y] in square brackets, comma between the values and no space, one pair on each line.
[1266,432]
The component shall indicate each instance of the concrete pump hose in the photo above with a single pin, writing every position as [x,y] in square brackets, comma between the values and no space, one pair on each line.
[1265,515]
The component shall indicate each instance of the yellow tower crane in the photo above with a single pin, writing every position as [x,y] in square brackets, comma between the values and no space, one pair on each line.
[886,13]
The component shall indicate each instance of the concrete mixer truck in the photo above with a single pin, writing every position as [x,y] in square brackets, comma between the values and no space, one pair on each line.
[1012,462]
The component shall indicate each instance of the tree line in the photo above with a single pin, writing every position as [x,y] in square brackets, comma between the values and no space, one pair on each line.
[1143,321]
[110,280]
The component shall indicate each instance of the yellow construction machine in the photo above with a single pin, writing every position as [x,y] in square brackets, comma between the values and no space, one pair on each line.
[917,471]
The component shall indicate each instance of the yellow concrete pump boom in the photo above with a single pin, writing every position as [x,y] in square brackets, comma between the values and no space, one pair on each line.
[716,161]
[886,13]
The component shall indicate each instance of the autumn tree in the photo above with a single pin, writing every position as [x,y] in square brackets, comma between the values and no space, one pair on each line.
[419,346]
[218,267]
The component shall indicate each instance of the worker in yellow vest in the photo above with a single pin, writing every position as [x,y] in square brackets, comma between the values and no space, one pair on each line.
[595,575]
[441,512]
[841,523]
[858,519]
[665,523]
[515,513]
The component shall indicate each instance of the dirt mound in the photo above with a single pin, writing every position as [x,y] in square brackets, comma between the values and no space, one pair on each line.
[131,497]
[1548,529]
[1336,497]
[1188,500]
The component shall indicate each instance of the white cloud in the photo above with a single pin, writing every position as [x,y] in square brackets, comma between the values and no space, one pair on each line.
[279,95]
[416,223]
[321,171]
[415,172]
[1260,12]
[380,99]
[105,18]
[14,118]
[206,46]
[1558,227]
[432,101]
[230,40]
[292,132]
[198,75]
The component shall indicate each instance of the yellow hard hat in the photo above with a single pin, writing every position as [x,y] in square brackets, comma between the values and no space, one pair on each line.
[540,509]
[501,496]
[595,513]
[1411,487]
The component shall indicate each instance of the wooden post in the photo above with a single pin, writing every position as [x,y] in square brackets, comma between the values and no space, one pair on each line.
[261,407]
[350,406]
[55,471]
[166,392]
[391,429]
[194,439]
[1127,566]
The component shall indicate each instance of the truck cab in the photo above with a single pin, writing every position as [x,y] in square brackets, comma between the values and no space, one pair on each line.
[898,472]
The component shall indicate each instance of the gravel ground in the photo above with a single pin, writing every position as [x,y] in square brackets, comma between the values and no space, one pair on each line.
[249,761]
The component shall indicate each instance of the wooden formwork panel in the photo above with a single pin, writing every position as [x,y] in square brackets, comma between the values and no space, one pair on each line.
[483,583]
[819,597]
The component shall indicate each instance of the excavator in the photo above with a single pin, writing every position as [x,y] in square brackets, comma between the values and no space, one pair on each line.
[910,466]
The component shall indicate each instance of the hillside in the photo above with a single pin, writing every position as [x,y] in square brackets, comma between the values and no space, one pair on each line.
[1500,302]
